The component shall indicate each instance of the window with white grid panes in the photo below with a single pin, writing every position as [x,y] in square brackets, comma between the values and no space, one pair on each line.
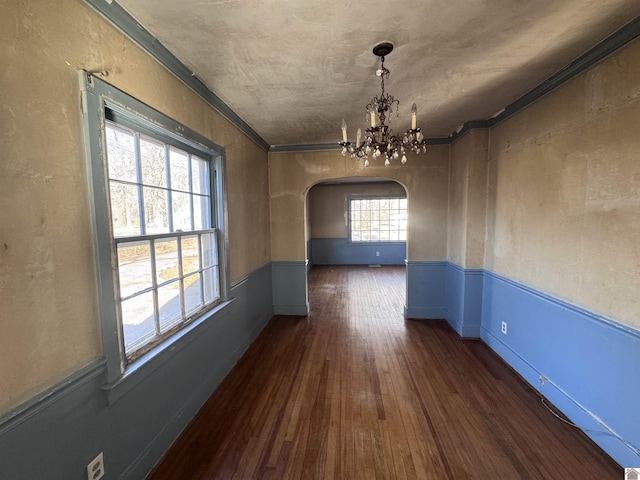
[161,207]
[378,219]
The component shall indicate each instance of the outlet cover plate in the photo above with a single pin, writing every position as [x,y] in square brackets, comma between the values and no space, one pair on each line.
[95,469]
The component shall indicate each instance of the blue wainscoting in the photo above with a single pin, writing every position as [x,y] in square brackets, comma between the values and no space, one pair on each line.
[55,435]
[426,290]
[590,366]
[464,300]
[339,251]
[289,281]
[590,370]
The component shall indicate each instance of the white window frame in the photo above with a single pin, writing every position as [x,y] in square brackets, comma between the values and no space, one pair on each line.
[352,198]
[99,101]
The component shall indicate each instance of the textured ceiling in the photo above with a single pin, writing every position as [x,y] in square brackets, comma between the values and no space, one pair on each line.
[294,69]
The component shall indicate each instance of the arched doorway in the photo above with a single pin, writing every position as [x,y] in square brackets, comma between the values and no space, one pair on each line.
[293,174]
[357,222]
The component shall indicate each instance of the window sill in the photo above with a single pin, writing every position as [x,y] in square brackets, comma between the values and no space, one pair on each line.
[142,367]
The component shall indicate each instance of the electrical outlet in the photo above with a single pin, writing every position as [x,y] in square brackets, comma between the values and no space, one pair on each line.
[504,328]
[95,469]
[377,254]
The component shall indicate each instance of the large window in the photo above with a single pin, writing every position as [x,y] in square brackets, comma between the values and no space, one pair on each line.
[159,226]
[378,219]
[161,205]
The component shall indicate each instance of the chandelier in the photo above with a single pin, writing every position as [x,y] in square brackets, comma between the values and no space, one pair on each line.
[379,139]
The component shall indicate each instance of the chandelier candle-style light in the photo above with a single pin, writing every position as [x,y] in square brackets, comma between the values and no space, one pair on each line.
[379,138]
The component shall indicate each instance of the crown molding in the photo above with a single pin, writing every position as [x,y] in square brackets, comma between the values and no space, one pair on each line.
[609,45]
[310,147]
[127,24]
[121,19]
[602,50]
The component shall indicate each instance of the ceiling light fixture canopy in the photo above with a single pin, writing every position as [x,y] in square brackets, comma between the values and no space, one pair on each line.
[379,138]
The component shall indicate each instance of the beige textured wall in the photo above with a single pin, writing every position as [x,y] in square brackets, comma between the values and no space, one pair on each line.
[457,215]
[468,199]
[48,311]
[328,205]
[248,205]
[564,183]
[425,178]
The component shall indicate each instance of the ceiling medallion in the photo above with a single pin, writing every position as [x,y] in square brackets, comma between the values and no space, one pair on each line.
[379,139]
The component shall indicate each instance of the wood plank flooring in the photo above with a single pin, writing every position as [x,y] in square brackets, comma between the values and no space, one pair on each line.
[355,391]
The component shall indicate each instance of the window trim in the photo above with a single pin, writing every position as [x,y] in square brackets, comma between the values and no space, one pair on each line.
[97,97]
[373,197]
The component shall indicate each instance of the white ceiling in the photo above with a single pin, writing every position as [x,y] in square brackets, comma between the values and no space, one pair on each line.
[294,69]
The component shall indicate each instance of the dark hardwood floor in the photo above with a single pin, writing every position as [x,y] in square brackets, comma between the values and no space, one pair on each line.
[355,391]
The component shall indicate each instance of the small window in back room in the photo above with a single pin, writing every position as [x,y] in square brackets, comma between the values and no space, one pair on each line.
[378,219]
